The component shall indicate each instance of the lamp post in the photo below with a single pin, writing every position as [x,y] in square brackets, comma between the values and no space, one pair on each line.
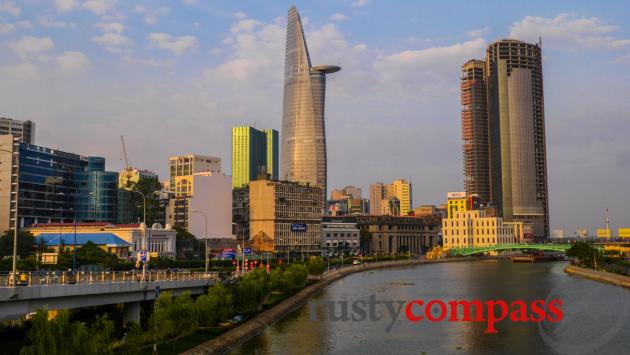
[144,232]
[15,226]
[205,216]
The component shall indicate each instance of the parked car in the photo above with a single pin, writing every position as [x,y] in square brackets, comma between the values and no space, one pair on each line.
[356,262]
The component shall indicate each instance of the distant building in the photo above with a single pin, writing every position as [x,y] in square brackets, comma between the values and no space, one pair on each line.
[182,168]
[380,195]
[286,215]
[253,151]
[212,197]
[461,201]
[557,234]
[24,130]
[348,191]
[338,236]
[425,210]
[581,233]
[53,186]
[121,239]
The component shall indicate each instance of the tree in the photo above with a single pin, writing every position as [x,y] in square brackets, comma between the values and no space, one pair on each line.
[88,254]
[148,186]
[215,306]
[315,265]
[365,238]
[25,243]
[585,253]
[187,245]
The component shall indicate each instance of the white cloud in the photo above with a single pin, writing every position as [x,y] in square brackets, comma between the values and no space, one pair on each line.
[50,22]
[115,27]
[177,45]
[568,31]
[338,17]
[112,39]
[190,2]
[99,7]
[151,14]
[240,15]
[360,3]
[6,28]
[478,32]
[25,24]
[10,7]
[72,62]
[28,46]
[66,5]
[20,72]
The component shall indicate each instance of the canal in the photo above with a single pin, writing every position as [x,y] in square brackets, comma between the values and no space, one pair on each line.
[596,317]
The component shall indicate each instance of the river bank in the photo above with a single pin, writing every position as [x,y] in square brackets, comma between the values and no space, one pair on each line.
[234,337]
[600,276]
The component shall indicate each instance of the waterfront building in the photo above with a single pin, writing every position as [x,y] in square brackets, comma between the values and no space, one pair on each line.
[122,239]
[286,214]
[515,119]
[24,130]
[338,236]
[303,128]
[54,186]
[472,228]
[253,151]
[182,168]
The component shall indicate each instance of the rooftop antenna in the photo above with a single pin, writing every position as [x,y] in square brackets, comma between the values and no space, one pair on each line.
[607,224]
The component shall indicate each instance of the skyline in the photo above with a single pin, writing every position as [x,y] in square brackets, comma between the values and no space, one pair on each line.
[378,80]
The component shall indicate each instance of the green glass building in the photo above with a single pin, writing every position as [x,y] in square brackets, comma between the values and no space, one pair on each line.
[253,151]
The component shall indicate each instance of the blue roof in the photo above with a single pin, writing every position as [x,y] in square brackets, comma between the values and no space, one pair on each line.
[53,239]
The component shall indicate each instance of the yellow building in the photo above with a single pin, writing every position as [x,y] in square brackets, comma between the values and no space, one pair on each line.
[380,195]
[472,228]
[287,212]
[603,233]
[461,201]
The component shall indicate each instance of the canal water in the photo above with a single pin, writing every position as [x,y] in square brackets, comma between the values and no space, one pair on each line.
[596,316]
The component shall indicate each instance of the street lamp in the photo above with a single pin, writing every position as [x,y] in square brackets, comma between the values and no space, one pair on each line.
[205,216]
[15,227]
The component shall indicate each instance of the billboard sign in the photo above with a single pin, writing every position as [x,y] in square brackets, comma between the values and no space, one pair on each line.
[456,195]
[298,227]
[228,253]
[247,251]
[624,232]
[603,233]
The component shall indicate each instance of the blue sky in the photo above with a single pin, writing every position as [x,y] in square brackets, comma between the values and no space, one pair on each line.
[174,76]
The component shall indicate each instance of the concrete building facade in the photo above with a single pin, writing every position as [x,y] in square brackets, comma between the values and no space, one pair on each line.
[24,130]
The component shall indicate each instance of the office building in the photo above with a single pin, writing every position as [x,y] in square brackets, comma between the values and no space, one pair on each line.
[461,201]
[285,216]
[348,191]
[303,128]
[253,151]
[182,168]
[53,186]
[517,157]
[339,236]
[25,130]
[381,198]
[475,130]
[395,234]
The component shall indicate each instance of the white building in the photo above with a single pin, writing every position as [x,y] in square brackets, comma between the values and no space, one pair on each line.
[557,234]
[337,235]
[211,196]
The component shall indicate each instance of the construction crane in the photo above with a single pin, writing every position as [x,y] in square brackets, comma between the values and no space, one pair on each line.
[129,175]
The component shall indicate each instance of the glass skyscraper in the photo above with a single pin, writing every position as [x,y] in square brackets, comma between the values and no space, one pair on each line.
[303,129]
[253,151]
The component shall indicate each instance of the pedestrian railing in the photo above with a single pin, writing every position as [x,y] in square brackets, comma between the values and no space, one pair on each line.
[34,278]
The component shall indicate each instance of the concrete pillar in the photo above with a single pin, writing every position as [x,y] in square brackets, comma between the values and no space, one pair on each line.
[132,312]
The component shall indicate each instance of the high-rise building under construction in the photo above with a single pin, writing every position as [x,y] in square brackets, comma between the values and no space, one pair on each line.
[515,119]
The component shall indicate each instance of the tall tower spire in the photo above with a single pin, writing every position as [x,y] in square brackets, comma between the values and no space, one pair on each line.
[303,148]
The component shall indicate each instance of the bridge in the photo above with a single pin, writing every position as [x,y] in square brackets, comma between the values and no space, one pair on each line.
[466,251]
[54,292]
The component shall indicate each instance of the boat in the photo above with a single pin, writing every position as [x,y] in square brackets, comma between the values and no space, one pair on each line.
[534,258]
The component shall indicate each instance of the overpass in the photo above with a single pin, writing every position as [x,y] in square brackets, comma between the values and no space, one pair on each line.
[89,290]
[466,251]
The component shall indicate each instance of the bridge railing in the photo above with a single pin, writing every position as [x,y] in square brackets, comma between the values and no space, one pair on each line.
[28,279]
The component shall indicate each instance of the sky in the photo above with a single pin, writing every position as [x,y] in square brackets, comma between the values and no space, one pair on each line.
[173,77]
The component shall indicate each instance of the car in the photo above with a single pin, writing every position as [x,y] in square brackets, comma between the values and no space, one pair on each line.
[237,319]
[356,262]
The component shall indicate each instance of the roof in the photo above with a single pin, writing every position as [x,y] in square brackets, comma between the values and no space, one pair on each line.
[53,239]
[86,224]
